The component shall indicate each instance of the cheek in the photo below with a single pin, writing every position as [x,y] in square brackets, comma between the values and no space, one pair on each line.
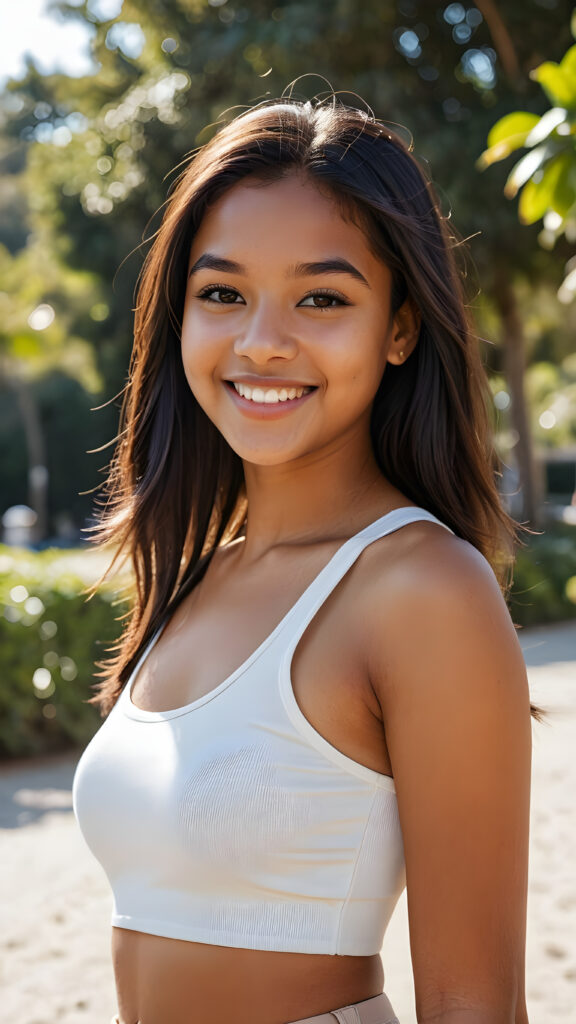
[199,351]
[357,359]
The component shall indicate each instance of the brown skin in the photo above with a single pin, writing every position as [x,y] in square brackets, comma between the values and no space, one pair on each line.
[416,636]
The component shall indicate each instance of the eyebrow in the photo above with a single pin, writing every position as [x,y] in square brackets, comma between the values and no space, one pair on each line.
[208,261]
[330,266]
[336,265]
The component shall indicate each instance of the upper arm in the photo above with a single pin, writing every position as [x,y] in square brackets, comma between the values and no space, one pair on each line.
[450,676]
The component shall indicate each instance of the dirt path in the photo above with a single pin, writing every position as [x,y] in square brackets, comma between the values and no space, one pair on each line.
[54,925]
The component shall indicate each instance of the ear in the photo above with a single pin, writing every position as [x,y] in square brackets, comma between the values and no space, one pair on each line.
[404,333]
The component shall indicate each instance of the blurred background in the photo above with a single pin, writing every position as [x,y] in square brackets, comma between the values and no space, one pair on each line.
[100,101]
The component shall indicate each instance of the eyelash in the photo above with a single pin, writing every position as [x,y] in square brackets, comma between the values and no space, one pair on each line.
[206,293]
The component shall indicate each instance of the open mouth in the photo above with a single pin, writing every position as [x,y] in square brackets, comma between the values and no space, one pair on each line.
[267,395]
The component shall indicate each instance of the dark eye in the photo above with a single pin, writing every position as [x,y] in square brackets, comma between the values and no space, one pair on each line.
[323,300]
[221,295]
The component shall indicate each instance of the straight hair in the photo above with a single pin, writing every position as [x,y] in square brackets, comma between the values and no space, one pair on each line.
[175,489]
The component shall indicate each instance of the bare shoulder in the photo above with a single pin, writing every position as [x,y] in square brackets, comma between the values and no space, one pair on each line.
[433,598]
[424,556]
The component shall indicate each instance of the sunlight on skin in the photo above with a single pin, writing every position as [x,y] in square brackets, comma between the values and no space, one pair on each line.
[258,313]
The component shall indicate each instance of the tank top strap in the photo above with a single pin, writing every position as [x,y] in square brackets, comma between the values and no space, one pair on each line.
[328,578]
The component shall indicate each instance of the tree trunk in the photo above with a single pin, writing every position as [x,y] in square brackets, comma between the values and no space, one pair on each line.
[514,369]
[37,471]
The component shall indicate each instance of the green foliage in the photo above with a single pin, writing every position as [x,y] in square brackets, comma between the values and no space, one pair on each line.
[544,587]
[559,80]
[545,177]
[71,428]
[508,134]
[548,172]
[50,638]
[551,394]
[37,277]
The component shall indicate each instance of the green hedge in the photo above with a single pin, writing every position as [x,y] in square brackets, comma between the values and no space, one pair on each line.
[544,588]
[51,636]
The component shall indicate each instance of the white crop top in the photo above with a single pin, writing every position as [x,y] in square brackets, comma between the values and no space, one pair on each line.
[232,821]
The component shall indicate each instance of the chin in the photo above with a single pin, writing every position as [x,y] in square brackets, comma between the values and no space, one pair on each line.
[264,454]
[265,458]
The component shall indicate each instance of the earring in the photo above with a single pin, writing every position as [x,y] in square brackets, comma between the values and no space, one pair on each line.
[401,353]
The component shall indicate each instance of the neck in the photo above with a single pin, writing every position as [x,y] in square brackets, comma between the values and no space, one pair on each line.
[327,495]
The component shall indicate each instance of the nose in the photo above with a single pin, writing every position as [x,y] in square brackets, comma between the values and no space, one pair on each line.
[265,337]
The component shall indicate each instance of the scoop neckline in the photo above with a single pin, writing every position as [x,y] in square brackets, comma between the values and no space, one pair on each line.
[132,710]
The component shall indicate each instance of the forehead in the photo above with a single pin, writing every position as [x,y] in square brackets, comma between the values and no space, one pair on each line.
[289,219]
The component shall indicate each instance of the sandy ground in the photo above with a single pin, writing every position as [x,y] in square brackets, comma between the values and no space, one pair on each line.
[54,921]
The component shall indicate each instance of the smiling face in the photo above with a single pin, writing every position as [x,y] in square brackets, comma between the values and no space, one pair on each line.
[287,322]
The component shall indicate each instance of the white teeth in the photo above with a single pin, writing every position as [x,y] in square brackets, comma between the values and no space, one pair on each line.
[269,396]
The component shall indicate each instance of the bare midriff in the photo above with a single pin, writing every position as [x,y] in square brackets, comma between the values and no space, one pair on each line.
[170,981]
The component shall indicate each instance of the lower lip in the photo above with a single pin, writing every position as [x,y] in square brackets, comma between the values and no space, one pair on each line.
[266,410]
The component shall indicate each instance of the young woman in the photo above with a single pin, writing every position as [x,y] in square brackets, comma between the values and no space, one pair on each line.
[319,694]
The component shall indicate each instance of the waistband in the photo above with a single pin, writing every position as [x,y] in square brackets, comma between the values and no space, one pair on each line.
[377,1010]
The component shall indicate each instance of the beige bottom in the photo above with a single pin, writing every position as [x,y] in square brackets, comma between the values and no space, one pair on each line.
[369,1011]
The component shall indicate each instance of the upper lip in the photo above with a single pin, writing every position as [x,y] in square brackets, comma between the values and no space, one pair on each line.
[267,382]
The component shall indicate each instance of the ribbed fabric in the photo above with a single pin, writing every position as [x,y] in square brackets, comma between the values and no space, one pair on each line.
[232,821]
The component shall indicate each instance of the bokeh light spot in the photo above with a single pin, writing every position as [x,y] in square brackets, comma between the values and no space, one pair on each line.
[501,399]
[100,311]
[68,669]
[454,14]
[41,317]
[126,36]
[48,630]
[547,420]
[34,606]
[61,136]
[42,679]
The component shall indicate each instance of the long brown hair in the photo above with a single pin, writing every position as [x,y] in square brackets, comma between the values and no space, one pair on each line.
[176,488]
